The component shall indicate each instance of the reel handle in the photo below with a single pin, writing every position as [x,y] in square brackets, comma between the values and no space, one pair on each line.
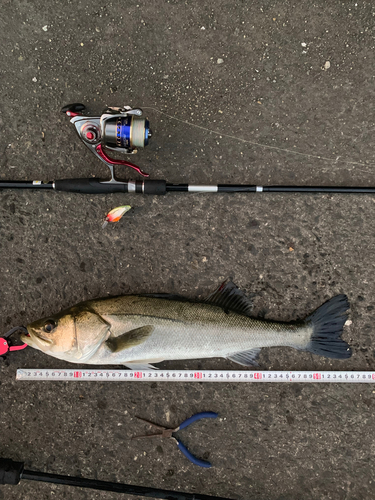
[75,107]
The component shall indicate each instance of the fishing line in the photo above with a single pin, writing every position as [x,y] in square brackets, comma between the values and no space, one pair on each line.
[258,144]
[221,376]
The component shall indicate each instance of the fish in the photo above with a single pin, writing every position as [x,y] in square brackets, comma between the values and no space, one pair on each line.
[139,330]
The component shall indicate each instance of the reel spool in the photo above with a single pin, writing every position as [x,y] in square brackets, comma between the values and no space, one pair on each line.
[119,129]
[129,133]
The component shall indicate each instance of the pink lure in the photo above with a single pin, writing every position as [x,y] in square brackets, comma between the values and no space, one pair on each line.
[116,214]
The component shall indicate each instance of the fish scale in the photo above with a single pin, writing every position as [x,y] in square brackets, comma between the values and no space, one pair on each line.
[233,333]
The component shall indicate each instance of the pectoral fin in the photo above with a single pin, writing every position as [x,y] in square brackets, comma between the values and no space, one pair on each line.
[129,339]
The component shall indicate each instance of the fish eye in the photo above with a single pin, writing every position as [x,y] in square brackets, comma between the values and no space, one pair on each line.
[49,326]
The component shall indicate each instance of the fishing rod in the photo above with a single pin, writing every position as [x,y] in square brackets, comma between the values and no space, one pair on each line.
[125,129]
[12,472]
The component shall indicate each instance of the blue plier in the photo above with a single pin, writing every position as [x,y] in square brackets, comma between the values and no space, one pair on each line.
[168,433]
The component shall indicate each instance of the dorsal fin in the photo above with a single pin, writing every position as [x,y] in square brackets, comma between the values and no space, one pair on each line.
[230,298]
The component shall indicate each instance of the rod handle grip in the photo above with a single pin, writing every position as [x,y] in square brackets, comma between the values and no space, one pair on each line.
[89,186]
[154,186]
[196,417]
[98,186]
[10,471]
[194,460]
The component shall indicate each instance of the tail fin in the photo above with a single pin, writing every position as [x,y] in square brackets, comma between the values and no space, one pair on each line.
[328,322]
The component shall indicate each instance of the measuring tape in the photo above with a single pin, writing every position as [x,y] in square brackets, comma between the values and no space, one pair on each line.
[196,376]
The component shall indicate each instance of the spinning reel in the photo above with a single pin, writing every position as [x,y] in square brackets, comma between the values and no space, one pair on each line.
[118,129]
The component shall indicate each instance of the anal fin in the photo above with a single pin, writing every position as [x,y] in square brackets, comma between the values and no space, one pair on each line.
[140,366]
[246,358]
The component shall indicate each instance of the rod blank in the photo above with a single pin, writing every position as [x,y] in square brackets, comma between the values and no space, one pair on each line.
[144,491]
[245,188]
[161,187]
[26,185]
[12,472]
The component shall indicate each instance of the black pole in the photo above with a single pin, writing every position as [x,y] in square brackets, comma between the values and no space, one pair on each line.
[244,188]
[115,487]
[318,189]
[12,472]
[161,187]
[26,185]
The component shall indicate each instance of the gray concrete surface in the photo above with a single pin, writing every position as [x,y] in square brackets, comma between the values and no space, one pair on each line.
[293,252]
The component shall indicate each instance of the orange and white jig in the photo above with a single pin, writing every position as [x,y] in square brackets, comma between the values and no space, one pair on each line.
[116,214]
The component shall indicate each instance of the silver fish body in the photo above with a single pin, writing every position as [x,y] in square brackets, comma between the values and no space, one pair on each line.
[139,330]
[183,330]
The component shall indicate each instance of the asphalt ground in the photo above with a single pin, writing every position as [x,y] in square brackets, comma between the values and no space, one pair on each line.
[293,81]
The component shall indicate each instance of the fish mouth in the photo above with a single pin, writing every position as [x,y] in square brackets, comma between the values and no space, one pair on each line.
[36,336]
